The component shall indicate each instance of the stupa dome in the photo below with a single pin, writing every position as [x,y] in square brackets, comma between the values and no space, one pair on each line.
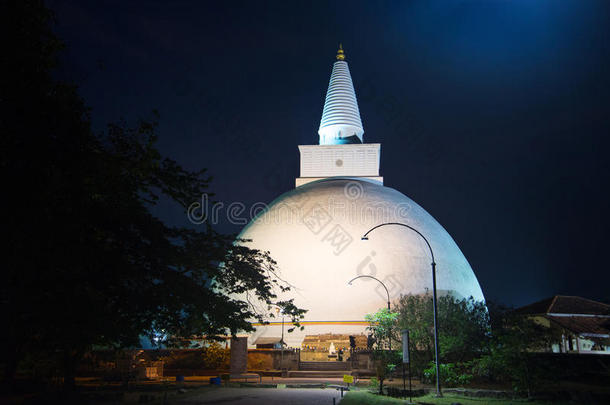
[314,233]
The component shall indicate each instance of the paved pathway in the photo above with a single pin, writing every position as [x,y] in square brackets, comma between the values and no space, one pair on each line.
[257,396]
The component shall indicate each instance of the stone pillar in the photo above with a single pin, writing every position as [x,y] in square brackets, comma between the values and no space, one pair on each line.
[239,355]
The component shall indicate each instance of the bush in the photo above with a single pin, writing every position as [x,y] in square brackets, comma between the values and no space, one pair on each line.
[374,384]
[216,357]
[212,357]
[396,392]
[260,361]
[451,374]
[179,359]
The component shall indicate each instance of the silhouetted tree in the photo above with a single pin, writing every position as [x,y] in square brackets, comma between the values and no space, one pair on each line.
[85,262]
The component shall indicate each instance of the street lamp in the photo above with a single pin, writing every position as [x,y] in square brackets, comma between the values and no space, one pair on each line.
[388,294]
[433,264]
[386,288]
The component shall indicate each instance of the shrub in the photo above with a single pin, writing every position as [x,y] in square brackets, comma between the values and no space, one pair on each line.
[396,392]
[179,359]
[374,383]
[451,374]
[260,361]
[216,357]
[212,357]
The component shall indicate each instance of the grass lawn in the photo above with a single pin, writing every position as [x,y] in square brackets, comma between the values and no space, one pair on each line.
[365,397]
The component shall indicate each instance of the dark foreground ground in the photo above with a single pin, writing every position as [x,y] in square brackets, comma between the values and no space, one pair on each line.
[256,396]
[277,391]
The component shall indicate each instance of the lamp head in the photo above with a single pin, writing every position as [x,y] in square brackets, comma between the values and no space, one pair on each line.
[364,238]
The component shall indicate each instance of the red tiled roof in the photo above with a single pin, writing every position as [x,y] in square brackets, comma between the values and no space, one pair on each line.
[583,324]
[540,307]
[564,304]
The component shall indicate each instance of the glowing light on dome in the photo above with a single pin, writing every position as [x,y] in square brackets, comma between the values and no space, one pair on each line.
[314,233]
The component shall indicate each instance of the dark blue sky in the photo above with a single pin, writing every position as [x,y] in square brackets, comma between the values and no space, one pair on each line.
[493,115]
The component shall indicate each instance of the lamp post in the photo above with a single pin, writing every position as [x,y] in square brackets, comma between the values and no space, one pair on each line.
[406,358]
[433,264]
[388,294]
[278,309]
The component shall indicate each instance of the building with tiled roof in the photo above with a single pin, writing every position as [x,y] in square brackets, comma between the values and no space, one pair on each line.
[584,324]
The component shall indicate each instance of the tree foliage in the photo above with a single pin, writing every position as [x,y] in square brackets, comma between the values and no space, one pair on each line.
[464,328]
[476,340]
[86,262]
[509,355]
[382,325]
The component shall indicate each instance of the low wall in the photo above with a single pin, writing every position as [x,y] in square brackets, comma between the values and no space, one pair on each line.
[363,360]
[271,359]
[319,356]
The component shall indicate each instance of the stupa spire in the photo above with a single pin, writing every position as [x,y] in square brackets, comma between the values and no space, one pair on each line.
[341,121]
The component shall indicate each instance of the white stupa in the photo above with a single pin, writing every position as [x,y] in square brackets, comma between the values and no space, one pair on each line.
[314,231]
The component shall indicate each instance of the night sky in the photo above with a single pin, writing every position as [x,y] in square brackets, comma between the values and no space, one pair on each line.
[492,115]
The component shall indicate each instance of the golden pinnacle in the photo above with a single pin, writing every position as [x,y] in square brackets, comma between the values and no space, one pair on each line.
[340,53]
